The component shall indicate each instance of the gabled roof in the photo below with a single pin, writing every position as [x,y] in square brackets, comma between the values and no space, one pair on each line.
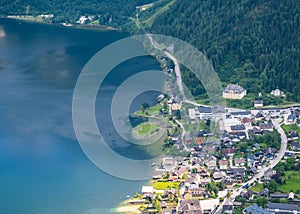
[205,110]
[279,206]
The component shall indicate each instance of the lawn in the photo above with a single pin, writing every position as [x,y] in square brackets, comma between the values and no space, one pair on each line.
[292,181]
[147,128]
[257,188]
[150,20]
[291,127]
[152,111]
[166,185]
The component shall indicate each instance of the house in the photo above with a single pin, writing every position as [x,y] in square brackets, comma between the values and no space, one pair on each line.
[247,121]
[192,114]
[294,135]
[197,192]
[158,174]
[240,114]
[259,116]
[227,209]
[148,191]
[269,174]
[258,103]
[237,128]
[189,206]
[192,181]
[291,118]
[207,206]
[218,176]
[228,152]
[175,107]
[254,209]
[277,93]
[264,193]
[199,140]
[266,126]
[250,160]
[234,91]
[205,113]
[236,173]
[248,195]
[295,146]
[257,131]
[160,98]
[239,162]
[223,164]
[283,208]
[205,181]
[211,163]
[279,195]
[170,194]
[270,152]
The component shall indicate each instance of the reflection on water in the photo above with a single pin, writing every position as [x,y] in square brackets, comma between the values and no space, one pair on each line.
[42,167]
[2,32]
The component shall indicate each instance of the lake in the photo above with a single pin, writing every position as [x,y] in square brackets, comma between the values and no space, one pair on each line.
[42,166]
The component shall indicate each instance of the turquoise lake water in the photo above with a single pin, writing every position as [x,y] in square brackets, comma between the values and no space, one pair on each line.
[42,167]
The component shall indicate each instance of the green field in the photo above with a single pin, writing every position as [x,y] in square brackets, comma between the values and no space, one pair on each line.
[257,188]
[147,128]
[166,185]
[292,181]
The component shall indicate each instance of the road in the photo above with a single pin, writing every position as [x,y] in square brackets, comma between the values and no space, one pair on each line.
[260,174]
[176,65]
[185,148]
[273,163]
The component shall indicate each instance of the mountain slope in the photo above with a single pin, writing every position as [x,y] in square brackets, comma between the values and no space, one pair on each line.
[251,42]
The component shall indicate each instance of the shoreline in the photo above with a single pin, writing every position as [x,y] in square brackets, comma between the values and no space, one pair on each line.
[124,207]
[32,19]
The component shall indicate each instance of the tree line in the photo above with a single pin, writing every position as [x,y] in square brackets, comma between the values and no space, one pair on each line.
[251,42]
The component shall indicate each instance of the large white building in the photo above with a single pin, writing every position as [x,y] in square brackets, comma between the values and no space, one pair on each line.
[234,91]
[277,93]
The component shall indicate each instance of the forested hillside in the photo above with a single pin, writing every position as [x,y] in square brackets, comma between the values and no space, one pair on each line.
[255,43]
[113,12]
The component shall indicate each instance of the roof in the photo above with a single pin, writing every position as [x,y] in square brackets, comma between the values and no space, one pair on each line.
[280,206]
[209,204]
[227,207]
[240,113]
[258,101]
[235,88]
[223,162]
[205,110]
[254,209]
[238,127]
[192,114]
[190,205]
[279,195]
[246,120]
[227,151]
[147,189]
[264,192]
[239,160]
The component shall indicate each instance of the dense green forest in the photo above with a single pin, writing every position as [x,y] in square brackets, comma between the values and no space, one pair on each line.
[255,43]
[115,13]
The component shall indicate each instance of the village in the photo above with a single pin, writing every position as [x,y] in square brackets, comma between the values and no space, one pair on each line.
[233,162]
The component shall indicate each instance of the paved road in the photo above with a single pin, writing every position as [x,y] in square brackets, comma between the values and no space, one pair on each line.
[272,164]
[185,148]
[176,64]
